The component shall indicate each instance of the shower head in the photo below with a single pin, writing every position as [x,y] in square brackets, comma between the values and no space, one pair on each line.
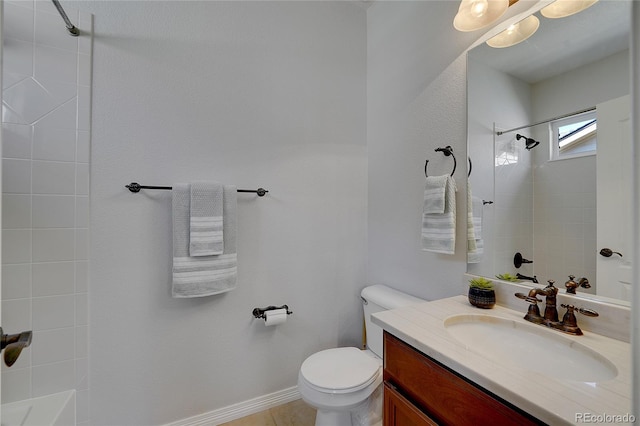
[529,143]
[13,344]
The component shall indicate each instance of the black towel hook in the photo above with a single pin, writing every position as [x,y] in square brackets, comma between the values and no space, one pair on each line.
[470,167]
[447,151]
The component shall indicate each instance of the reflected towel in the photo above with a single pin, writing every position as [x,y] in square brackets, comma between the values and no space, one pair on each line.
[205,227]
[203,275]
[475,255]
[439,229]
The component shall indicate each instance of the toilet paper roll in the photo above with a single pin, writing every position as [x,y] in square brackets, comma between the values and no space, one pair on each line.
[275,317]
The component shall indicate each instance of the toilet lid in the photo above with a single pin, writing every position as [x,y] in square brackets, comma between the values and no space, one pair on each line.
[340,369]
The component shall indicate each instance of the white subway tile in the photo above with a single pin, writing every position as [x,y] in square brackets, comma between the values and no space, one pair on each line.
[54,144]
[83,150]
[60,92]
[52,245]
[82,407]
[82,179]
[82,341]
[53,211]
[82,309]
[16,246]
[62,117]
[16,315]
[84,108]
[18,61]
[82,212]
[82,277]
[53,278]
[16,385]
[16,140]
[29,100]
[53,378]
[16,211]
[16,176]
[53,178]
[53,346]
[18,22]
[8,115]
[82,373]
[16,281]
[82,244]
[53,312]
[55,64]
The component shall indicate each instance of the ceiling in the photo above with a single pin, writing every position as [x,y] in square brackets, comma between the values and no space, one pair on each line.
[561,45]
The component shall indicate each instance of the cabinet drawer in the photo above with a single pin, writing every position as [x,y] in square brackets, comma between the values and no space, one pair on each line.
[400,412]
[442,394]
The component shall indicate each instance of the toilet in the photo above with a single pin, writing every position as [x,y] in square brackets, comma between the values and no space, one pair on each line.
[343,384]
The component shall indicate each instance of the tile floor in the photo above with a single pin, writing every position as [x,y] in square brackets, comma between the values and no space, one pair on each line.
[295,413]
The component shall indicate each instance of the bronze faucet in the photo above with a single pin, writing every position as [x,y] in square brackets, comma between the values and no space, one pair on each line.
[550,319]
[571,285]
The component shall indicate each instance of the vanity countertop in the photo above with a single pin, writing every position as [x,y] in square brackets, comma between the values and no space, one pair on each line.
[554,401]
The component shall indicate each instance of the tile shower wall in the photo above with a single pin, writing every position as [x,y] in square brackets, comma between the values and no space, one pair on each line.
[45,199]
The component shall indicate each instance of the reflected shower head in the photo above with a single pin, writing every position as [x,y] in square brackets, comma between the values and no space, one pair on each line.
[529,143]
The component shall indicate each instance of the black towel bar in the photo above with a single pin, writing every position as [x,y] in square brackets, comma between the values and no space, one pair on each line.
[136,187]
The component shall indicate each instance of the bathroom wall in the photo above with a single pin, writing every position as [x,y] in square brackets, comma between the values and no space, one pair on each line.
[45,199]
[269,94]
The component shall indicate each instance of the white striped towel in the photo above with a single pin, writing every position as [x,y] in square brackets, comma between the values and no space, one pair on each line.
[434,194]
[439,229]
[203,275]
[475,251]
[205,230]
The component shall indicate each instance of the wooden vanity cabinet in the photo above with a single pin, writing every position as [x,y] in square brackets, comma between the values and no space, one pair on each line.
[420,391]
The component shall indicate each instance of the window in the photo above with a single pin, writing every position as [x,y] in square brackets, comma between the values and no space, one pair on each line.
[574,136]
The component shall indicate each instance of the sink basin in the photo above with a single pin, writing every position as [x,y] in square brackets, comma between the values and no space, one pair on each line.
[530,347]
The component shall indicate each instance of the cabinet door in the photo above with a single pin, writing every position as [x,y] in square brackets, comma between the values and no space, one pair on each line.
[398,411]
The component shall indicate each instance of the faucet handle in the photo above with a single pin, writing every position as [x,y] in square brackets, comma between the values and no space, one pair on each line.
[583,311]
[550,283]
[526,298]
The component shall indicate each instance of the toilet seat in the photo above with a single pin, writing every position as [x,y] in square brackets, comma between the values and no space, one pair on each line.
[340,370]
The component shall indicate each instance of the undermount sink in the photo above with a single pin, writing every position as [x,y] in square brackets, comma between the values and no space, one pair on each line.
[530,347]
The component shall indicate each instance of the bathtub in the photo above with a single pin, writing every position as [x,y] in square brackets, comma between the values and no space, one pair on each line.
[58,409]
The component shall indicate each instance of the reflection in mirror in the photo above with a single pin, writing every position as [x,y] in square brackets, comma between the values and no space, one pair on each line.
[561,201]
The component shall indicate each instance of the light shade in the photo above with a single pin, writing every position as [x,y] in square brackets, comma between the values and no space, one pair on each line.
[516,33]
[562,8]
[475,14]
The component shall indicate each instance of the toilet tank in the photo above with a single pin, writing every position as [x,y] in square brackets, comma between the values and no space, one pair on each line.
[378,298]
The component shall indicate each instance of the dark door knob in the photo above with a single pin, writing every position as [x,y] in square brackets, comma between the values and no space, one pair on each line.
[607,252]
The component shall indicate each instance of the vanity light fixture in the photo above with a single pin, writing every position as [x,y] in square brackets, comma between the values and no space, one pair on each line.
[516,33]
[476,14]
[562,8]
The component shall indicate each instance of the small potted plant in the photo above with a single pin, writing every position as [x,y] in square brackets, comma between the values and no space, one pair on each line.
[481,293]
[508,277]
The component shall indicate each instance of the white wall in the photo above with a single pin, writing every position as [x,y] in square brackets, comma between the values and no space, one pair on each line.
[45,199]
[416,102]
[268,94]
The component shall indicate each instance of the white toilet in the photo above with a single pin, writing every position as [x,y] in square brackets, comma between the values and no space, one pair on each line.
[343,384]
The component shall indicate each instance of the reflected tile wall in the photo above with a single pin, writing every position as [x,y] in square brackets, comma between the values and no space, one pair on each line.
[45,205]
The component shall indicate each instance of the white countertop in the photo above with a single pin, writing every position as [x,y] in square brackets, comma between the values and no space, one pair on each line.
[554,401]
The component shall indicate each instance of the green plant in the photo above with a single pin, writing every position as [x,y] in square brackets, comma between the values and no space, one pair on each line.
[507,277]
[482,283]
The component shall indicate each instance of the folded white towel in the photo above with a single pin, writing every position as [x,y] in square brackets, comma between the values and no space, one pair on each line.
[439,229]
[476,250]
[434,194]
[203,275]
[205,231]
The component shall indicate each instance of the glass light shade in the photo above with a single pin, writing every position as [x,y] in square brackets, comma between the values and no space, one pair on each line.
[562,8]
[516,33]
[475,14]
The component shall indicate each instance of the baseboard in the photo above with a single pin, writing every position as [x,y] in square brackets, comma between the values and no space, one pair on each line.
[241,409]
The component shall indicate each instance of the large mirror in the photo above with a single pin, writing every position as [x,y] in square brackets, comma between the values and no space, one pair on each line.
[559,202]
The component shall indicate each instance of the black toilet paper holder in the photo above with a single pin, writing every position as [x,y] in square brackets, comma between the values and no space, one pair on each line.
[260,312]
